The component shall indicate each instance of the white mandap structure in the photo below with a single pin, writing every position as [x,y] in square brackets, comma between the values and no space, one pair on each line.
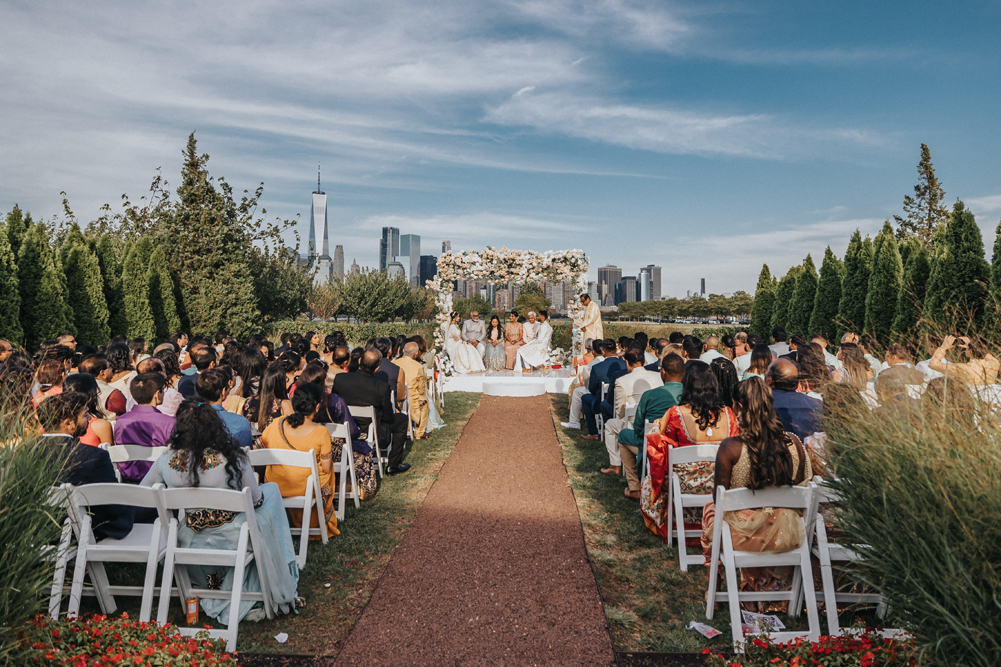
[496,267]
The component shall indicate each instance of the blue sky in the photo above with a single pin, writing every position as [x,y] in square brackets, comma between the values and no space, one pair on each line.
[704,137]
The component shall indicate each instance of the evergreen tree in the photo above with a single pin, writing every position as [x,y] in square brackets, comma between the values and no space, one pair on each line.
[111,277]
[73,237]
[10,303]
[801,306]
[912,293]
[924,211]
[17,225]
[43,300]
[957,289]
[783,299]
[823,319]
[996,268]
[135,296]
[884,285]
[161,296]
[764,303]
[86,292]
[858,261]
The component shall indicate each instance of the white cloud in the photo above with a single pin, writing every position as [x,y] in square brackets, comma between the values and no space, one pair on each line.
[984,205]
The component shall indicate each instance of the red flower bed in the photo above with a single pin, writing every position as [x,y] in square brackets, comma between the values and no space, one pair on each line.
[92,641]
[865,650]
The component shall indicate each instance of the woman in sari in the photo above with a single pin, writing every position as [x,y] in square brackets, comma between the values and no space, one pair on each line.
[299,432]
[514,337]
[465,357]
[700,418]
[762,456]
[203,454]
[494,357]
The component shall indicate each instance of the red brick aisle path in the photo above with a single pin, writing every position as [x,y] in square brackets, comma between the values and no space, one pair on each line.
[494,570]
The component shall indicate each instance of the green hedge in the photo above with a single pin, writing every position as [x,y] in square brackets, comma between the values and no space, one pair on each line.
[357,334]
[562,332]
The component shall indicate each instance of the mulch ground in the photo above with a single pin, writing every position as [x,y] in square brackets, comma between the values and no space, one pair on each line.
[494,569]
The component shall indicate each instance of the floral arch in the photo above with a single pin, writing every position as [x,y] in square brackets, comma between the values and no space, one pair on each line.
[502,266]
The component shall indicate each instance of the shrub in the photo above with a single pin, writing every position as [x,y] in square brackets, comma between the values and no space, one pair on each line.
[865,650]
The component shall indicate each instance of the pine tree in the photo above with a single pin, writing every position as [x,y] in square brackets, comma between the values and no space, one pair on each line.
[858,261]
[764,303]
[801,306]
[73,237]
[783,299]
[884,285]
[957,288]
[43,299]
[17,225]
[10,303]
[924,211]
[161,296]
[912,293]
[823,319]
[135,296]
[111,277]
[86,294]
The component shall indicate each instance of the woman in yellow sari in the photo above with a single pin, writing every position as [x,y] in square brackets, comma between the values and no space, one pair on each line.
[299,432]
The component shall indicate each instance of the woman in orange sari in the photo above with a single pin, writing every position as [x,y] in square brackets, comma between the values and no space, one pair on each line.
[514,337]
[700,418]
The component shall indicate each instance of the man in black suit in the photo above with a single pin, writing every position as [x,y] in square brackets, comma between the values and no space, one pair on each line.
[799,413]
[203,358]
[607,371]
[365,389]
[64,418]
[390,372]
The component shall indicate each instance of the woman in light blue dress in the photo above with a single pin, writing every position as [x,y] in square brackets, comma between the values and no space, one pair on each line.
[494,358]
[202,453]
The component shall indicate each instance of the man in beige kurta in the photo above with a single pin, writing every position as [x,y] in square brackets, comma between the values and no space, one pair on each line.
[590,320]
[417,387]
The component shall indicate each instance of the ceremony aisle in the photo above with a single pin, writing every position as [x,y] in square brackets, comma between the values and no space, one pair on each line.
[494,569]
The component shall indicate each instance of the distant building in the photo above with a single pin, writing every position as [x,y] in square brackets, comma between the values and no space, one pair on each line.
[608,277]
[410,247]
[318,217]
[628,292]
[502,299]
[395,270]
[703,292]
[446,246]
[355,269]
[389,247]
[592,291]
[655,288]
[644,284]
[339,261]
[428,269]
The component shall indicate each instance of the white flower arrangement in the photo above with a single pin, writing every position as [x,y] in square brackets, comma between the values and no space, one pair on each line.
[556,356]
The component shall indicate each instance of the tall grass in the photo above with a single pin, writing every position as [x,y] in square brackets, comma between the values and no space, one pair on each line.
[921,487]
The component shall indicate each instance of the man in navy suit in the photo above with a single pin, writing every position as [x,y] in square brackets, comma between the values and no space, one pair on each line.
[800,414]
[607,372]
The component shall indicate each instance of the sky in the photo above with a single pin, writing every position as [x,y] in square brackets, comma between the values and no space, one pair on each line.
[703,137]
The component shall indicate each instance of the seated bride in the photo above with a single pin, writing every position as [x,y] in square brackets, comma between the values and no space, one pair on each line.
[535,353]
[465,357]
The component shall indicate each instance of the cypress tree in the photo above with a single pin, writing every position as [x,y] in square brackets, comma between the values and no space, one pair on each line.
[161,296]
[957,289]
[86,293]
[996,267]
[43,300]
[924,211]
[884,285]
[783,299]
[823,319]
[10,303]
[73,237]
[17,225]
[912,293]
[801,306]
[764,303]
[111,278]
[135,296]
[858,261]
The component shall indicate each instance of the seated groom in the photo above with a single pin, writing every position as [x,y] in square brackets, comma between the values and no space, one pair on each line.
[474,331]
[607,371]
[628,390]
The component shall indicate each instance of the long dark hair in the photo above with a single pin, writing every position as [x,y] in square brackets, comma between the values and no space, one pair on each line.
[119,356]
[304,401]
[700,391]
[761,358]
[272,389]
[726,376]
[85,383]
[197,429]
[499,327]
[171,365]
[249,364]
[762,433]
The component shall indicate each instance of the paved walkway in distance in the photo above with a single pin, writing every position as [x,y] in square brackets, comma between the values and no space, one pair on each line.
[494,569]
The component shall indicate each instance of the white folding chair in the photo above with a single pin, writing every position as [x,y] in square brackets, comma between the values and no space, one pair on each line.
[143,544]
[796,497]
[599,416]
[630,416]
[124,453]
[177,558]
[345,469]
[368,412]
[59,501]
[678,501]
[406,411]
[648,428]
[311,498]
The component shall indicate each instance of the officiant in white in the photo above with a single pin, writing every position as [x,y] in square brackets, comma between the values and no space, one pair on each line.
[535,352]
[590,320]
[465,357]
[474,331]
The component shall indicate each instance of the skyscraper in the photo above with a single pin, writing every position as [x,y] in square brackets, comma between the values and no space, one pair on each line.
[446,246]
[410,247]
[628,294]
[428,269]
[608,277]
[644,285]
[389,246]
[703,287]
[318,213]
[339,261]
[654,282]
[355,269]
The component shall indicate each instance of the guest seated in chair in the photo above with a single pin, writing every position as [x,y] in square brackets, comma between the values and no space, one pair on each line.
[144,424]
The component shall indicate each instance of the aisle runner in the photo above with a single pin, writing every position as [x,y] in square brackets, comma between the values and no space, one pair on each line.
[494,569]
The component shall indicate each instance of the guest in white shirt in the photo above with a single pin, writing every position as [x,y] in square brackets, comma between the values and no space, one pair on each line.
[779,347]
[829,359]
[710,350]
[576,407]
[628,390]
[932,344]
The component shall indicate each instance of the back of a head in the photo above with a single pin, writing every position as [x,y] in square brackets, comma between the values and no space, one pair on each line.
[762,433]
[642,337]
[798,341]
[902,351]
[812,366]
[151,365]
[305,400]
[290,361]
[754,340]
[60,353]
[661,345]
[634,357]
[676,337]
[779,334]
[342,355]
[50,373]
[411,350]
[370,361]
[624,342]
[355,362]
[820,339]
[384,345]
[700,391]
[144,387]
[783,375]
[728,341]
[137,345]
[608,346]
[711,343]
[315,372]
[211,384]
[84,384]
[692,346]
[53,411]
[203,358]
[598,347]
[198,428]
[330,342]
[119,356]
[674,367]
[726,377]
[94,365]
[761,358]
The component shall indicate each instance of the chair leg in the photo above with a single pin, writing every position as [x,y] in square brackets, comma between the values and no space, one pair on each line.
[809,594]
[99,576]
[59,575]
[830,599]
[679,519]
[732,592]
[307,520]
[79,571]
[146,609]
[796,604]
[350,455]
[163,605]
[237,593]
[713,579]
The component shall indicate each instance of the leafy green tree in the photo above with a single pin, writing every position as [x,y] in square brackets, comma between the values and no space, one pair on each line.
[924,211]
[532,298]
[282,286]
[135,296]
[161,296]
[783,299]
[17,226]
[469,304]
[884,285]
[912,293]
[44,312]
[372,296]
[764,303]
[801,306]
[10,303]
[740,304]
[324,301]
[85,291]
[957,288]
[828,299]
[111,277]
[854,287]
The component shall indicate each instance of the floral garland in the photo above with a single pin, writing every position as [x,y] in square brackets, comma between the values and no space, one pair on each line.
[502,266]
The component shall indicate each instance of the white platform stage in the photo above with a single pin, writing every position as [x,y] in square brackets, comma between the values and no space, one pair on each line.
[510,383]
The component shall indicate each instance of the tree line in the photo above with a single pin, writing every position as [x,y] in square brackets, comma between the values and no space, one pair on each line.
[202,262]
[370,296]
[928,275]
[738,304]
